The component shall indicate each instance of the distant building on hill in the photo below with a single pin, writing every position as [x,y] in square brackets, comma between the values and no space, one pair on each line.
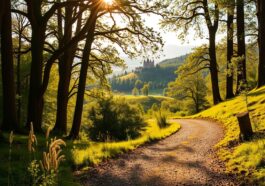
[149,63]
[146,64]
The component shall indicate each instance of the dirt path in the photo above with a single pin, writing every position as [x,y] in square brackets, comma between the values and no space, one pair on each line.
[185,158]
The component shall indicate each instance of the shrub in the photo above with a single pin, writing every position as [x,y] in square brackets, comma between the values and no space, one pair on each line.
[135,91]
[115,119]
[44,172]
[161,119]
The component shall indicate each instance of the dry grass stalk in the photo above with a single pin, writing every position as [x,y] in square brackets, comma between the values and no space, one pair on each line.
[53,157]
[32,140]
[11,137]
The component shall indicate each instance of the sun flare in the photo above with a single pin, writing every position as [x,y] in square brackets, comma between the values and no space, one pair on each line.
[109,2]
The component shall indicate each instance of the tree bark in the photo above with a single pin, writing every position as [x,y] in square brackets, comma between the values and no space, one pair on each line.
[213,68]
[244,122]
[241,53]
[65,69]
[212,28]
[10,121]
[18,76]
[35,99]
[74,133]
[261,19]
[230,51]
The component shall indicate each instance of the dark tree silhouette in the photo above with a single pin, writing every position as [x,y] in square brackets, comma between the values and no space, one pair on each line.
[65,67]
[261,19]
[10,121]
[230,49]
[241,43]
[83,73]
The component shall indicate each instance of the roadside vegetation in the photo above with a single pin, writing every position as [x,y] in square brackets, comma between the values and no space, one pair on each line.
[113,126]
[246,159]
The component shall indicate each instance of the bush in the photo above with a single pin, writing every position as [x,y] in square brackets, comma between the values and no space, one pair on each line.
[115,119]
[161,119]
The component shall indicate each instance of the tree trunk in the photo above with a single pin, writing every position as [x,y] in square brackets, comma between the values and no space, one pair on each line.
[244,122]
[213,68]
[35,100]
[18,76]
[241,69]
[74,133]
[65,70]
[261,18]
[10,121]
[230,51]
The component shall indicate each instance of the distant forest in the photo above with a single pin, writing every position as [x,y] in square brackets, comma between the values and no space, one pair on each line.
[157,77]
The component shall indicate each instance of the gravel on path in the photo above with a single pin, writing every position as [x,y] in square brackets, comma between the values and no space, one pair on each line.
[185,158]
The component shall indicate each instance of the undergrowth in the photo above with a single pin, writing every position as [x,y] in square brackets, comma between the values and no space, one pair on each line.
[247,159]
[85,153]
[81,153]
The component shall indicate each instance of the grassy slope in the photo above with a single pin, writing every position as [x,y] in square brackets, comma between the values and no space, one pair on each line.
[78,154]
[246,159]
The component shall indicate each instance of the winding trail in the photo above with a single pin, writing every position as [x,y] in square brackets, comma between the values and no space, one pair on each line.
[185,158]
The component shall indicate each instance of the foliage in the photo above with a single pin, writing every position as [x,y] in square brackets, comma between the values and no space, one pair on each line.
[246,159]
[190,89]
[161,119]
[166,70]
[42,172]
[146,101]
[135,91]
[50,162]
[145,89]
[115,119]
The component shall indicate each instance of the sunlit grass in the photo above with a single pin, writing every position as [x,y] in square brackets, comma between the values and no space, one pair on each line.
[248,158]
[86,153]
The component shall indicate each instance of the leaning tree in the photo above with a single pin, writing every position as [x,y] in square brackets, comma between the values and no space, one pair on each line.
[183,16]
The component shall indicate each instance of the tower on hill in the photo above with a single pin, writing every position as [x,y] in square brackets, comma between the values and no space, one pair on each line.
[149,63]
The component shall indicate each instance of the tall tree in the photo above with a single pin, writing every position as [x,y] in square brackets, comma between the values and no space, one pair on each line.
[10,121]
[20,29]
[190,14]
[38,13]
[65,66]
[230,49]
[241,46]
[134,34]
[261,19]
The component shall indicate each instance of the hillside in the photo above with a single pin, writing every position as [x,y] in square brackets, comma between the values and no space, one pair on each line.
[247,159]
[174,62]
[166,70]
[128,76]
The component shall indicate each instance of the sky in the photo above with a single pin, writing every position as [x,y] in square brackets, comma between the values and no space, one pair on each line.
[173,46]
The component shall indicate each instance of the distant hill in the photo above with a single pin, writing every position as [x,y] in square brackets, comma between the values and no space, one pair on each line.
[158,77]
[174,62]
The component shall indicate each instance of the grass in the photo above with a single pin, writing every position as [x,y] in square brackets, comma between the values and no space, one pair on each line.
[246,159]
[87,153]
[79,154]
